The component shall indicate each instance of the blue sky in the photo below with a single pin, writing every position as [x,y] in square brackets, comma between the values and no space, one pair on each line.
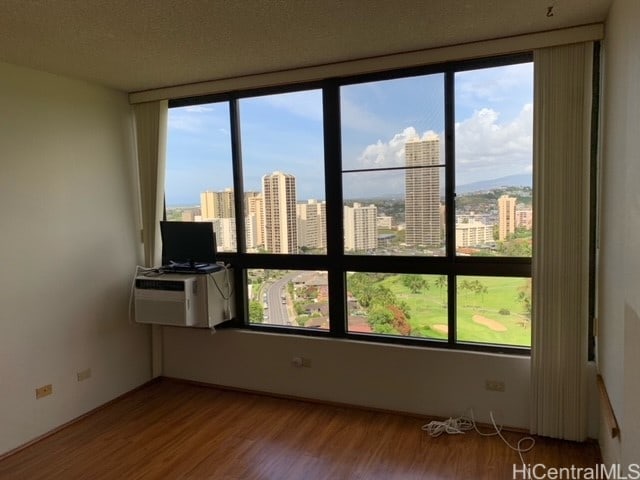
[284,132]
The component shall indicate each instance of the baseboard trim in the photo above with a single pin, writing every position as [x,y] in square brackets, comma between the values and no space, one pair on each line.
[39,438]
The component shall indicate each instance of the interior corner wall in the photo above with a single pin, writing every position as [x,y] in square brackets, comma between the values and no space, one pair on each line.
[68,247]
[618,355]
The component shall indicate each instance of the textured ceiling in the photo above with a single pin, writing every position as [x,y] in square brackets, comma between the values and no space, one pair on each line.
[134,45]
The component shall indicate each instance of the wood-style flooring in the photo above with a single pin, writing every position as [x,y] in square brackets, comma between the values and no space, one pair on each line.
[175,430]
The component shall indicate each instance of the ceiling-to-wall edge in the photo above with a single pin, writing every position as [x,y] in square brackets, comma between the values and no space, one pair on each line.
[485,48]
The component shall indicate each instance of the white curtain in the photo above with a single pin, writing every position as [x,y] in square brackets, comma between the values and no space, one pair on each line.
[151,137]
[151,140]
[562,115]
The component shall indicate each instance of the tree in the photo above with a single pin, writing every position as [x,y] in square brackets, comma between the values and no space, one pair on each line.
[465,286]
[479,289]
[441,283]
[255,312]
[524,296]
[380,319]
[415,283]
[302,320]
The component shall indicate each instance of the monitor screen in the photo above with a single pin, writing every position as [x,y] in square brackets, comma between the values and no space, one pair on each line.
[188,243]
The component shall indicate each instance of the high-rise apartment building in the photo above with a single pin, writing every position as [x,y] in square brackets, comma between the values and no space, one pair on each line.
[254,209]
[218,207]
[217,204]
[312,221]
[422,191]
[225,230]
[473,233]
[524,217]
[281,232]
[506,216]
[360,228]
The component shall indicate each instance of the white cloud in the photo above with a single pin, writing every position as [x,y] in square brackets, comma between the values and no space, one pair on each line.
[493,84]
[486,148]
[382,155]
[391,153]
[197,119]
[198,108]
[185,123]
[192,119]
[354,116]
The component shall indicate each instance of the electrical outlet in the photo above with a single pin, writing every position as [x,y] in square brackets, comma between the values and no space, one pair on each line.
[84,374]
[300,362]
[44,391]
[494,385]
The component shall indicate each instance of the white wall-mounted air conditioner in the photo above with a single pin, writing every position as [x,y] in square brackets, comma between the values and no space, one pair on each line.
[184,300]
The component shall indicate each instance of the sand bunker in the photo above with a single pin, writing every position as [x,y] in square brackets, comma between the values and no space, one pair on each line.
[488,322]
[439,327]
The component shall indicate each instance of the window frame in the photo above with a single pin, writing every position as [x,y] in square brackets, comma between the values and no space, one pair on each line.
[336,261]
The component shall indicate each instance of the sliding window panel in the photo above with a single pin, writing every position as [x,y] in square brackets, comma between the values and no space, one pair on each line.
[393,159]
[199,178]
[283,170]
[494,161]
[494,310]
[289,298]
[407,305]
[407,220]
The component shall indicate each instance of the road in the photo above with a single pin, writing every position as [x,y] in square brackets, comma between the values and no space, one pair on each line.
[277,310]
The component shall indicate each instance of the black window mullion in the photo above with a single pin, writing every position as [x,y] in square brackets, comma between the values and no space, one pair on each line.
[238,187]
[452,299]
[240,279]
[333,190]
[450,201]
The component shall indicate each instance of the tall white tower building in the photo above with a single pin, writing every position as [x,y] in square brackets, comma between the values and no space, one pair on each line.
[280,225]
[360,228]
[506,216]
[312,221]
[422,191]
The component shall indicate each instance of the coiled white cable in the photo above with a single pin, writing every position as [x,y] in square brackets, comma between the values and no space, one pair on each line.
[456,426]
[451,426]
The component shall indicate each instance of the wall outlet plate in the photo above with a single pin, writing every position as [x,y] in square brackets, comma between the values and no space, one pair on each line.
[84,374]
[494,385]
[44,391]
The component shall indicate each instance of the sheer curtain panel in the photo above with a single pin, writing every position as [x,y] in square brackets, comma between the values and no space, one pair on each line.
[151,138]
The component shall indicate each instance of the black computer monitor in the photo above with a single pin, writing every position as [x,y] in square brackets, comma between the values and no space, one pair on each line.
[190,243]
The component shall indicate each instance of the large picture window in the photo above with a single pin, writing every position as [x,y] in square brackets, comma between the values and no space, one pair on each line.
[393,207]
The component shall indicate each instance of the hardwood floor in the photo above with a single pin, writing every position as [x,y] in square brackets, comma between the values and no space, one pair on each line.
[174,430]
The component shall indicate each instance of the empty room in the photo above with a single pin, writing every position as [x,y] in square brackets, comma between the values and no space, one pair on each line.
[320,240]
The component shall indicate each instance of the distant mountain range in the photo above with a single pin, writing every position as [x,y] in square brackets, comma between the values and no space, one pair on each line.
[523,180]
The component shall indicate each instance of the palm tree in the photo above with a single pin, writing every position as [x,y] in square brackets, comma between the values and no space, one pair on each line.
[441,283]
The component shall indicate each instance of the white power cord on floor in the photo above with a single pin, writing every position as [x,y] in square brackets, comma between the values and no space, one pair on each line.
[454,426]
[451,426]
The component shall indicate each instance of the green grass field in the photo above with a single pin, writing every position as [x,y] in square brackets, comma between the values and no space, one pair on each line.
[495,316]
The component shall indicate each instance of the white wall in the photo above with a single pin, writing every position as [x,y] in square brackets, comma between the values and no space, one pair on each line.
[68,245]
[409,379]
[619,271]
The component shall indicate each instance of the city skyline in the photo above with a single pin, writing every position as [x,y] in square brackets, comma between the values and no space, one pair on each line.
[277,221]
